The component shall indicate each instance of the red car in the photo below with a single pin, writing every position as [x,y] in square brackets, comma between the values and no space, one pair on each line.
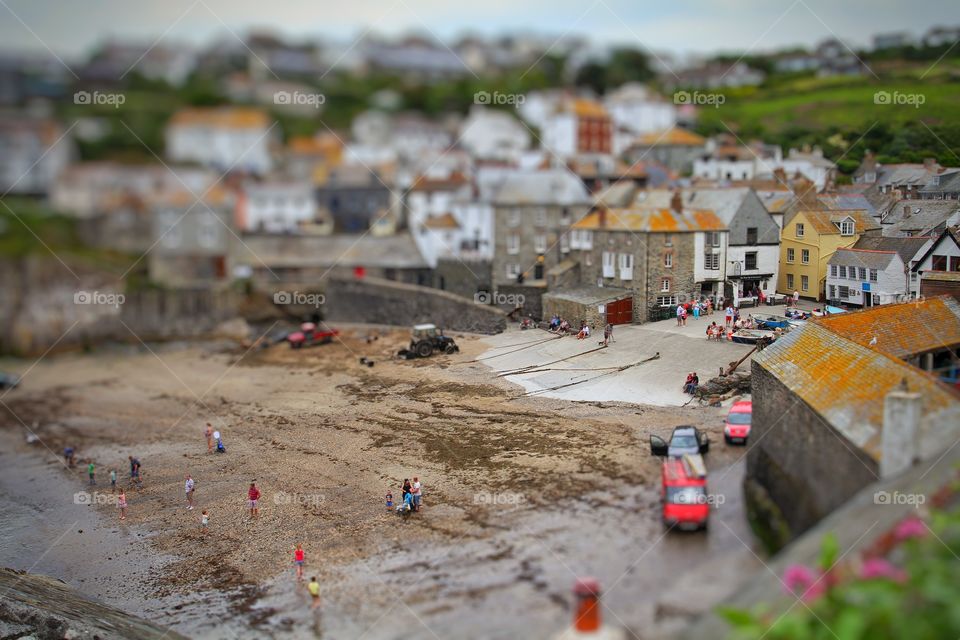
[684,492]
[736,428]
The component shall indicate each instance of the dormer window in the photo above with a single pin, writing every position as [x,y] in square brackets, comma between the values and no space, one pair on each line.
[846,227]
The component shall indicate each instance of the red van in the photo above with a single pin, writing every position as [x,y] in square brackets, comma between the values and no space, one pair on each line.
[684,492]
[736,427]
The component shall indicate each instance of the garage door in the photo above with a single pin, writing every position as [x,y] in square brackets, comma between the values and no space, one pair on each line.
[620,311]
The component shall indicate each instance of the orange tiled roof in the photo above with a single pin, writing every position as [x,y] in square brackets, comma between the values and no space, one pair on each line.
[586,108]
[902,330]
[426,183]
[306,145]
[845,382]
[446,221]
[673,136]
[227,117]
[653,220]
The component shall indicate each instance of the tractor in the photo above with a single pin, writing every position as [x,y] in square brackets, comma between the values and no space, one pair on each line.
[426,339]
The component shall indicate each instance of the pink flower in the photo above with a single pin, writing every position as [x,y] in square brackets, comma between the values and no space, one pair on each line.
[879,568]
[912,527]
[802,581]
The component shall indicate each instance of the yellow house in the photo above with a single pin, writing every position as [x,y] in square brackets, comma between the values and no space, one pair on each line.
[809,240]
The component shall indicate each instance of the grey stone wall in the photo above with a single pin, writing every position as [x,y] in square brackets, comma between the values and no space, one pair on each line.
[556,222]
[681,273]
[462,278]
[803,465]
[378,301]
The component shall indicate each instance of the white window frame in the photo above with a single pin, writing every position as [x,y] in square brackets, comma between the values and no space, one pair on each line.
[790,281]
[564,243]
[513,244]
[833,271]
[874,275]
[799,230]
[791,254]
[626,266]
[667,301]
[804,256]
[513,218]
[847,227]
[668,260]
[665,285]
[804,283]
[513,270]
[843,271]
[609,264]
[540,243]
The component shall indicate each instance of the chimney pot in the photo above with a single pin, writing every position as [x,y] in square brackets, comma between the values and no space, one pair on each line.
[676,202]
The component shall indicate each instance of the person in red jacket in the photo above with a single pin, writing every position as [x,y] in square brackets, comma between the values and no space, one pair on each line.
[254,496]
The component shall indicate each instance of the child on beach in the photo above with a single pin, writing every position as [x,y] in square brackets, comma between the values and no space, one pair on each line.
[204,523]
[188,489]
[298,560]
[113,480]
[122,504]
[90,472]
[253,495]
[314,588]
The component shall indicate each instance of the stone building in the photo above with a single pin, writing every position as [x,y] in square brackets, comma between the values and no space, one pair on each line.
[846,400]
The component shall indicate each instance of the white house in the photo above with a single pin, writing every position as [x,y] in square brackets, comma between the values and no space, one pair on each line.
[275,207]
[866,277]
[638,110]
[429,208]
[226,138]
[33,152]
[725,161]
[493,134]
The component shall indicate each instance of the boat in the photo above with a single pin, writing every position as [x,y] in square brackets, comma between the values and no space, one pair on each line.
[771,322]
[752,336]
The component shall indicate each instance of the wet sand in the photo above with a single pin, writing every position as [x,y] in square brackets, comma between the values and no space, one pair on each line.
[521,493]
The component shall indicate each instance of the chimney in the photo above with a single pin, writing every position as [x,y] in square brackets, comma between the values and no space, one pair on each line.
[901,421]
[602,216]
[676,202]
[780,175]
[906,211]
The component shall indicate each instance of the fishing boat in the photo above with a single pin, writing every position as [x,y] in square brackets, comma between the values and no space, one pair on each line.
[751,336]
[771,322]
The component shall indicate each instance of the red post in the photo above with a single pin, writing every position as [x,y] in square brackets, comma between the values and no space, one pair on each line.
[586,593]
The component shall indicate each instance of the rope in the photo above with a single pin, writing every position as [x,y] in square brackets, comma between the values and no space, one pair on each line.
[512,372]
[528,345]
[570,384]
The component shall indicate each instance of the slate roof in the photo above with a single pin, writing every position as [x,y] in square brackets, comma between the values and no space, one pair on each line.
[907,248]
[776,201]
[926,217]
[590,295]
[845,381]
[949,183]
[825,221]
[901,330]
[867,259]
[551,186]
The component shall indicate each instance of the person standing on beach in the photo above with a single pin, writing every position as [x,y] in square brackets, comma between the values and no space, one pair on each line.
[113,480]
[406,488]
[204,523]
[91,469]
[415,490]
[253,495]
[299,560]
[209,435]
[607,334]
[188,488]
[122,504]
[314,588]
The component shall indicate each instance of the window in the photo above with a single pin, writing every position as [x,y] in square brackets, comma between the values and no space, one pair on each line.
[833,271]
[954,263]
[668,239]
[751,236]
[565,217]
[513,270]
[805,256]
[668,260]
[513,244]
[846,228]
[513,218]
[833,292]
[608,264]
[565,243]
[804,283]
[713,238]
[873,275]
[863,273]
[581,239]
[626,266]
[843,271]
[939,263]
[540,243]
[790,254]
[789,281]
[540,217]
[711,261]
[665,285]
[667,301]
[750,260]
[799,230]
[844,292]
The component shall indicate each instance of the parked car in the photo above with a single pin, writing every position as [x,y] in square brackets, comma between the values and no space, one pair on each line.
[683,440]
[9,380]
[736,427]
[683,492]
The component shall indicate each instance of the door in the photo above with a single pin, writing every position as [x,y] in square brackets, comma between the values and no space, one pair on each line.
[620,311]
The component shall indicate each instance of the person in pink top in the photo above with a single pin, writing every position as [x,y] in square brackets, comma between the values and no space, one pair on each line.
[122,504]
[253,495]
[299,560]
